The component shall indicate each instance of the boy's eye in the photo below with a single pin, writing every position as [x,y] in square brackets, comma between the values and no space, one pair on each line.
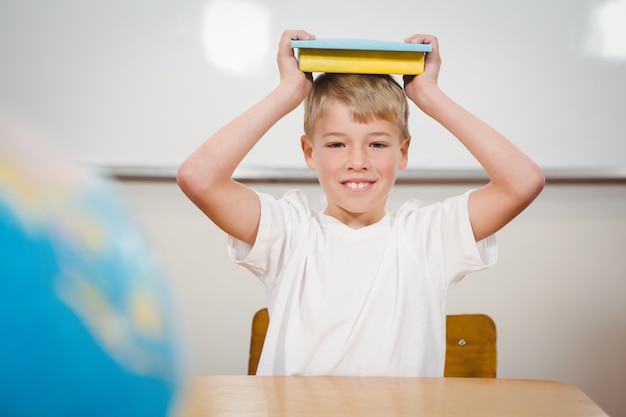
[335,145]
[378,145]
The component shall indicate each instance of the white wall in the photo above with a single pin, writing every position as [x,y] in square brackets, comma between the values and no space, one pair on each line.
[110,79]
[557,293]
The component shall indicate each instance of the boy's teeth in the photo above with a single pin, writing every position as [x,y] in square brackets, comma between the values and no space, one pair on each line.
[356,185]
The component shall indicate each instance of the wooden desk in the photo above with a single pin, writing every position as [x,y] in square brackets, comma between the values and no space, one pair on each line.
[253,396]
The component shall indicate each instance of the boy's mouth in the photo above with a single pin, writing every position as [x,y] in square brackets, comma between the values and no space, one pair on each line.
[354,185]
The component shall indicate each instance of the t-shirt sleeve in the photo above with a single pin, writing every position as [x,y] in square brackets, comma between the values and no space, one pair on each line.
[443,237]
[279,229]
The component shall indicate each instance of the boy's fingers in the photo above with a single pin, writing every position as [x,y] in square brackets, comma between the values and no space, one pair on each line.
[294,35]
[421,38]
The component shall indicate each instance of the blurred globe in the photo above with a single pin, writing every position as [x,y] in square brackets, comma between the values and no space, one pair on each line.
[85,315]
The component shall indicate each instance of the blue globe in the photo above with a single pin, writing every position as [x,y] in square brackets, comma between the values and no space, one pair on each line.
[86,323]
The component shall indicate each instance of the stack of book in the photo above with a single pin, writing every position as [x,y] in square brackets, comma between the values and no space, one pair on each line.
[357,56]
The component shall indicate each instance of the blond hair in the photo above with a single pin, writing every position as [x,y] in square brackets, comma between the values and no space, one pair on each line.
[368,97]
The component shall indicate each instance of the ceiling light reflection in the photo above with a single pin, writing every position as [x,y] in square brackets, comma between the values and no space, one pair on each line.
[236,35]
[607,33]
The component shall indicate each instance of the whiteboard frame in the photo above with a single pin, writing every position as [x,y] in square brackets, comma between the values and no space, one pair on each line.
[408,176]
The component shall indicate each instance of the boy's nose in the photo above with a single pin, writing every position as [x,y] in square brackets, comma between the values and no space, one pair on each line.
[357,159]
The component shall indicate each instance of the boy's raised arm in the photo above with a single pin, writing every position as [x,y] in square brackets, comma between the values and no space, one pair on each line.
[206,176]
[515,180]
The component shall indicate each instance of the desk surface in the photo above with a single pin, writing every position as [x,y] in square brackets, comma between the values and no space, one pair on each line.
[380,396]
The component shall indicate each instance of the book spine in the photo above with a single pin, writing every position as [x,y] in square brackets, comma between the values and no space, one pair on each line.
[361,62]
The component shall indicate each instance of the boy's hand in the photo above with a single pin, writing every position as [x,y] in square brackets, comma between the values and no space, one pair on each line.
[416,86]
[290,74]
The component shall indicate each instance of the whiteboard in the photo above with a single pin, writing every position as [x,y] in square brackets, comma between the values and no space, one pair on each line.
[142,83]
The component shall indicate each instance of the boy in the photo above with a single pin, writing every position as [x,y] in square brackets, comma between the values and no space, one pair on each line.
[355,290]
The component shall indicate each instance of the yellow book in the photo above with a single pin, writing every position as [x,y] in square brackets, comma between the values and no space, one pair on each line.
[361,56]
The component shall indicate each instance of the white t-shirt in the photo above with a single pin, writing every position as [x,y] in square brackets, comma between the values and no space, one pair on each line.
[367,301]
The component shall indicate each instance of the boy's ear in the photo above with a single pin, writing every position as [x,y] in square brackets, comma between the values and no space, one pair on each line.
[307,150]
[404,153]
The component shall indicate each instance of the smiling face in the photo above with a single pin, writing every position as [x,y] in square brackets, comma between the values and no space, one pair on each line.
[356,163]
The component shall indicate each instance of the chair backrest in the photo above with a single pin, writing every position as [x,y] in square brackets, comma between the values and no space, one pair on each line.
[470,344]
[260,321]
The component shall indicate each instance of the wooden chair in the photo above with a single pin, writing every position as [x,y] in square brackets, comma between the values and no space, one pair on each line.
[470,344]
